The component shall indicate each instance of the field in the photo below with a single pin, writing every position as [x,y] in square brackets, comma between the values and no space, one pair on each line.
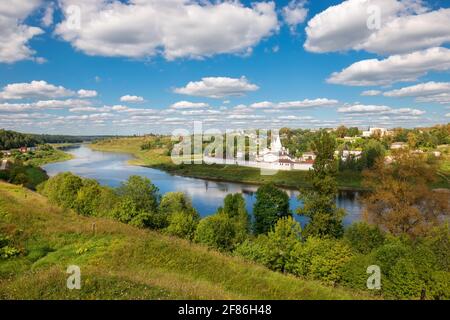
[118,261]
[158,158]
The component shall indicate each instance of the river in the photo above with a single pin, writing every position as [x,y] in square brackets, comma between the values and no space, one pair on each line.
[112,169]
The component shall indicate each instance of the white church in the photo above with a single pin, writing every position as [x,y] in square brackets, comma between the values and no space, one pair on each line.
[276,157]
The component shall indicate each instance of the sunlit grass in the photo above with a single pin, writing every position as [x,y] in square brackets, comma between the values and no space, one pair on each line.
[118,261]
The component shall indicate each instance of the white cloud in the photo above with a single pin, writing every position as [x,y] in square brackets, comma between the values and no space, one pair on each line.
[307,103]
[422,89]
[396,68]
[371,93]
[379,110]
[189,105]
[442,98]
[132,99]
[14,34]
[295,13]
[82,93]
[34,89]
[404,26]
[175,29]
[47,18]
[43,104]
[217,87]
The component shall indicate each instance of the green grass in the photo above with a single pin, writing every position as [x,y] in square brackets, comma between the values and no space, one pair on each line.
[122,262]
[55,156]
[157,158]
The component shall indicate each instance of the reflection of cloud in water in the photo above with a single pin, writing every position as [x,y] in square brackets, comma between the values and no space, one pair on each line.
[112,169]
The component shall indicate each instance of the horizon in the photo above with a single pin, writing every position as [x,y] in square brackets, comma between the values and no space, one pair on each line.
[74,70]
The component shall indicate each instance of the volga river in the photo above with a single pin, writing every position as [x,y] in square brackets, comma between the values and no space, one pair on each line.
[112,168]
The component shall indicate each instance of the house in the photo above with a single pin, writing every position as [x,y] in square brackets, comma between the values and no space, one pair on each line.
[399,145]
[346,154]
[308,156]
[6,153]
[376,131]
[3,164]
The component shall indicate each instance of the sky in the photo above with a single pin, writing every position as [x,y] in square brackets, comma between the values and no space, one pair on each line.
[88,67]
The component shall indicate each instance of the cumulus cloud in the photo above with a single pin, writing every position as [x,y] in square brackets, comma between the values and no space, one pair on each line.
[422,89]
[82,93]
[175,29]
[34,89]
[371,93]
[189,105]
[217,87]
[43,104]
[295,13]
[379,110]
[14,34]
[396,68]
[132,99]
[403,26]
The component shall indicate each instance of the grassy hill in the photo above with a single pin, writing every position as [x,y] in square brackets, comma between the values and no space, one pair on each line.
[122,262]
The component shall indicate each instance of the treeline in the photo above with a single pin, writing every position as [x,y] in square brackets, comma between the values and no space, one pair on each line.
[13,140]
[404,234]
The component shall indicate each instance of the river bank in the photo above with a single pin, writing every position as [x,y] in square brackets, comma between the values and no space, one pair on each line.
[159,159]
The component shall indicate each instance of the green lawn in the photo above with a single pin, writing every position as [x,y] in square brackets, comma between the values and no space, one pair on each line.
[122,262]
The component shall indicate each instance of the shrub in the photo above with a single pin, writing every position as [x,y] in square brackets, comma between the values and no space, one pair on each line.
[62,189]
[363,238]
[321,259]
[254,250]
[182,224]
[216,231]
[404,281]
[281,241]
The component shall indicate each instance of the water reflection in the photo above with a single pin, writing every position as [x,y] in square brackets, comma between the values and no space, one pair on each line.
[112,168]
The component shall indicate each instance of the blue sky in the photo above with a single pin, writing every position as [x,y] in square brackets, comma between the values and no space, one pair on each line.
[228,64]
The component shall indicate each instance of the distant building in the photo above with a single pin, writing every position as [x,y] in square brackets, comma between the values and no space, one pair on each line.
[346,154]
[398,145]
[376,131]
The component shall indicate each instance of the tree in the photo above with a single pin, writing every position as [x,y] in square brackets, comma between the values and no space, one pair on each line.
[281,240]
[271,204]
[401,200]
[173,202]
[62,189]
[234,208]
[341,131]
[216,231]
[138,204]
[319,202]
[182,224]
[178,214]
[372,151]
[363,237]
[141,192]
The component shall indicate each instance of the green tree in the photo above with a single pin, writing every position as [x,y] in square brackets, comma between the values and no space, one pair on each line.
[216,231]
[271,204]
[372,151]
[234,208]
[62,189]
[183,224]
[363,238]
[319,202]
[141,192]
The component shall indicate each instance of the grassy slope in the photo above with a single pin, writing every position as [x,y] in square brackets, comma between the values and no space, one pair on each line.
[158,159]
[122,262]
[56,156]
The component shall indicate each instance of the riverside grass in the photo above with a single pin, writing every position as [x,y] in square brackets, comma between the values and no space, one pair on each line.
[119,261]
[158,158]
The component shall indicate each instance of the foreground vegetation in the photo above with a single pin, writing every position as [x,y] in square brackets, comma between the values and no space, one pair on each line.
[118,261]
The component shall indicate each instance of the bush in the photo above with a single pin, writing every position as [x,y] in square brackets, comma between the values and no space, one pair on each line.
[254,250]
[216,231]
[404,281]
[281,241]
[62,189]
[182,224]
[363,238]
[321,259]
